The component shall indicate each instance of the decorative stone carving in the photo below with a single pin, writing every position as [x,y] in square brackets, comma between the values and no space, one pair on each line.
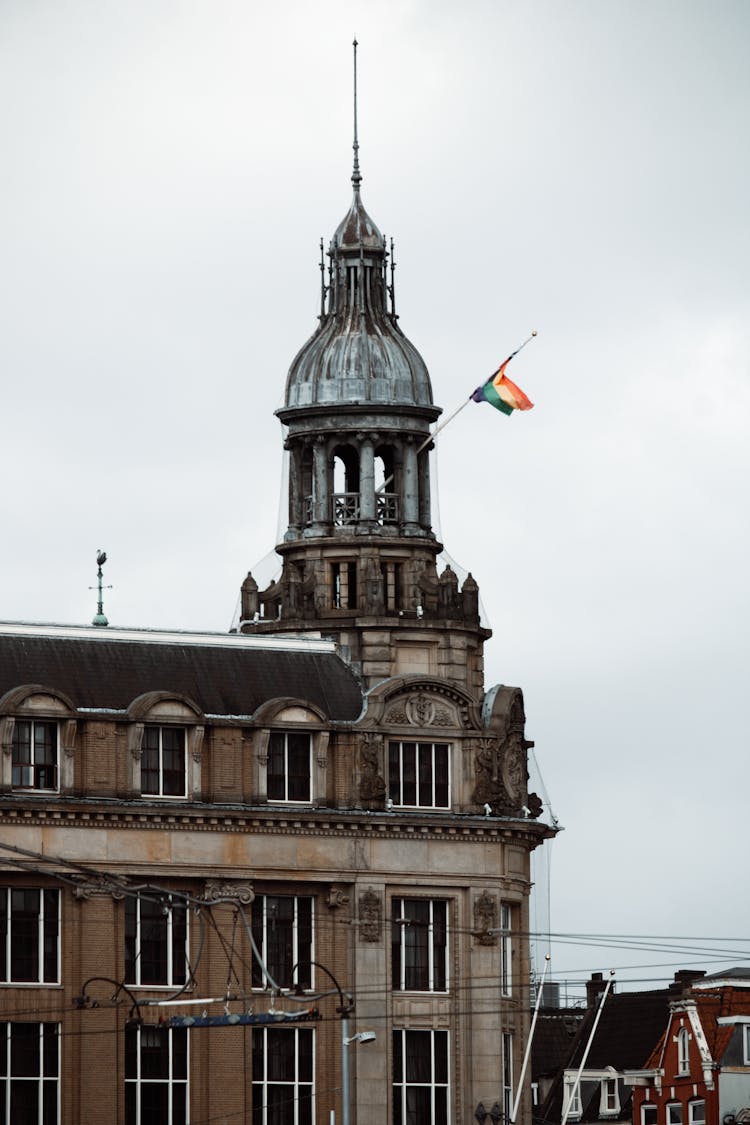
[87,888]
[336,898]
[217,890]
[135,740]
[371,780]
[196,743]
[485,919]
[370,916]
[69,731]
[7,726]
[501,774]
[432,706]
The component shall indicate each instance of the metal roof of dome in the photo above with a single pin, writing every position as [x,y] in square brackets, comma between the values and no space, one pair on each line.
[358,354]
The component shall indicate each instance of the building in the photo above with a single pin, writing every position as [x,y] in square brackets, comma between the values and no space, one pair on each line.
[699,1070]
[226,857]
[623,1037]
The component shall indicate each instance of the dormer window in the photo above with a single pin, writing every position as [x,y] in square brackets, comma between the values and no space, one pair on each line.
[609,1102]
[163,762]
[290,766]
[35,754]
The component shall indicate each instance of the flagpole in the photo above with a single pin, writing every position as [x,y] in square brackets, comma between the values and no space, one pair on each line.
[431,437]
[577,1083]
[517,1099]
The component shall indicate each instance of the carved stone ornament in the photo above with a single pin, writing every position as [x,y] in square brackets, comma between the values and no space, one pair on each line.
[336,898]
[135,740]
[196,743]
[370,916]
[485,919]
[514,767]
[427,709]
[500,771]
[371,780]
[7,726]
[69,730]
[97,888]
[217,890]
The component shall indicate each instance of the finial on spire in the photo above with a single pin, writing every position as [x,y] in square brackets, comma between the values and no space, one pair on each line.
[356,176]
[100,619]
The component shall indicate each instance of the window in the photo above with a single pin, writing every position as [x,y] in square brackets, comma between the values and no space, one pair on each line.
[506,950]
[609,1100]
[156,940]
[418,774]
[507,1074]
[572,1095]
[34,754]
[289,767]
[697,1112]
[649,1113]
[29,1073]
[344,583]
[29,936]
[156,1076]
[683,1051]
[674,1113]
[163,762]
[283,934]
[746,1044]
[420,1077]
[283,1076]
[419,936]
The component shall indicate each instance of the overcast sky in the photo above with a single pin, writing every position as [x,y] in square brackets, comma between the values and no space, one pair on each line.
[579,167]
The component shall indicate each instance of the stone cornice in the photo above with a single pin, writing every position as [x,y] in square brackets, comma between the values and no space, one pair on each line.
[310,822]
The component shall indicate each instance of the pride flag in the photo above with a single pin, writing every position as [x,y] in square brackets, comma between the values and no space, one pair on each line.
[501,393]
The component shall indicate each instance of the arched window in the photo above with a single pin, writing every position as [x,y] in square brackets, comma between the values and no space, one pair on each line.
[683,1051]
[386,493]
[345,485]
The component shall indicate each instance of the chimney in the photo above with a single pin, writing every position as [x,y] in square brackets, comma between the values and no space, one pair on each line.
[594,988]
[683,979]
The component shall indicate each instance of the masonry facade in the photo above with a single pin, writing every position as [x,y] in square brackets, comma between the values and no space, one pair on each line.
[222,855]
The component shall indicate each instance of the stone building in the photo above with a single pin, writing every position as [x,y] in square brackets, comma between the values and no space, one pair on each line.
[322,812]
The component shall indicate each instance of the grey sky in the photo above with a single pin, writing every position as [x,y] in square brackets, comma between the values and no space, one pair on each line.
[580,168]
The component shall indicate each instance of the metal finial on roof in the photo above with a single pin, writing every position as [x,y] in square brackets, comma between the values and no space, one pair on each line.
[356,175]
[100,619]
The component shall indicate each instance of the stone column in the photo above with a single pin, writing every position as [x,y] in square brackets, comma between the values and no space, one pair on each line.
[321,497]
[410,487]
[296,518]
[425,509]
[367,481]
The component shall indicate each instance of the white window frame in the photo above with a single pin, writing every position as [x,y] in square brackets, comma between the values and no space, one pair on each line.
[166,917]
[401,1088]
[172,1082]
[693,1105]
[29,769]
[683,1051]
[160,795]
[609,1086]
[645,1106]
[396,785]
[675,1113]
[43,1080]
[572,1095]
[506,949]
[507,1043]
[400,908]
[286,799]
[746,1044]
[296,1085]
[45,926]
[261,903]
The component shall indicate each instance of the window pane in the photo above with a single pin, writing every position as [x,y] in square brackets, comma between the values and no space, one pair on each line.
[276,768]
[409,766]
[441,776]
[298,765]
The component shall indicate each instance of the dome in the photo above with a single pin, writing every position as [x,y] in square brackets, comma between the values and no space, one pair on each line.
[358,353]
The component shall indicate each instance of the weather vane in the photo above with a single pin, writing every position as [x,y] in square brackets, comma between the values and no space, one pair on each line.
[100,619]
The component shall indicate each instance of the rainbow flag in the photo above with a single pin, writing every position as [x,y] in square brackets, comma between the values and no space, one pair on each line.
[501,393]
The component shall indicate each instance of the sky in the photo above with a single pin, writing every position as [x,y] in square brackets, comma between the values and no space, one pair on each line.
[575,167]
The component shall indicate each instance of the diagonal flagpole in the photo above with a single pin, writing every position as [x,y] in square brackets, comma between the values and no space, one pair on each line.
[458,410]
[540,992]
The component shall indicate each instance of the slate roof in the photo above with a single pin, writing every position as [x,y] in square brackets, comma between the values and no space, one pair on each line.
[224,676]
[630,1024]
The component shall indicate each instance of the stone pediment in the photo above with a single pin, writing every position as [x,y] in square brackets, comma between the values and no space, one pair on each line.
[422,704]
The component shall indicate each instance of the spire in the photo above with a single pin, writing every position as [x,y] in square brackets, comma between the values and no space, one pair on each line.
[356,175]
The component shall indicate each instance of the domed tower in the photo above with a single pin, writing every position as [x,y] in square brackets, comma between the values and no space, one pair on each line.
[359,553]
